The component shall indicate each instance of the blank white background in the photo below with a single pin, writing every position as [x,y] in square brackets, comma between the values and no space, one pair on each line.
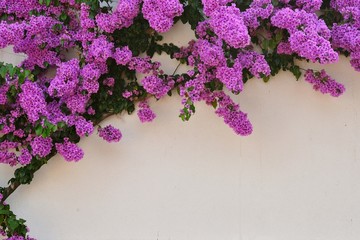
[297,177]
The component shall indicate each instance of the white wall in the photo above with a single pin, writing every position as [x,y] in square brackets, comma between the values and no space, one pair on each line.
[297,177]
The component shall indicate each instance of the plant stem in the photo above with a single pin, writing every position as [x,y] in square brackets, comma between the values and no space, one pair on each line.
[177,67]
[14,182]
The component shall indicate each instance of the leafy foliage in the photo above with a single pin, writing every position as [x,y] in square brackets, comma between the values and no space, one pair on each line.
[236,41]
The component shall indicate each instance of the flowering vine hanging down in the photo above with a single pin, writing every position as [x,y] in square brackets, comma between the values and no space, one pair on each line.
[235,41]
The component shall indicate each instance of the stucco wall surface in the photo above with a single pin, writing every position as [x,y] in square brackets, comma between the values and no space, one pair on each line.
[297,177]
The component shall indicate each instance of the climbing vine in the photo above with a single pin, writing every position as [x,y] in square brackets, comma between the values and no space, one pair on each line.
[50,101]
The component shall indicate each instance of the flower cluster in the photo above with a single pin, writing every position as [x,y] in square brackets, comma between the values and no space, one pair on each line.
[211,5]
[231,77]
[41,146]
[228,24]
[66,80]
[346,36]
[324,83]
[156,86]
[232,115]
[259,9]
[70,151]
[145,114]
[309,35]
[110,134]
[122,17]
[309,6]
[160,13]
[32,101]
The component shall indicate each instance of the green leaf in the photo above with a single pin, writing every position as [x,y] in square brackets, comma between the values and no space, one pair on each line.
[182,116]
[5,212]
[296,71]
[46,133]
[265,44]
[11,70]
[3,71]
[275,2]
[12,224]
[61,124]
[266,78]
[21,78]
[214,104]
[38,130]
[63,17]
[27,73]
[279,36]
[272,44]
[192,108]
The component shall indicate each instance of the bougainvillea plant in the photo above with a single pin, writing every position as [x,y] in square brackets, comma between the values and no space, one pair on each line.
[50,101]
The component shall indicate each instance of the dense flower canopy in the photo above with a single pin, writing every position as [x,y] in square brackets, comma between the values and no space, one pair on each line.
[51,100]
